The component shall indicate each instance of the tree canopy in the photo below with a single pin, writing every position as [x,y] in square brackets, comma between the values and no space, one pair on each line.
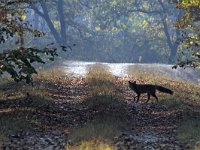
[114,31]
[189,23]
[146,31]
[19,61]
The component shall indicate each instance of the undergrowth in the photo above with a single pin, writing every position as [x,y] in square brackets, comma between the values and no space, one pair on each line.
[183,91]
[103,90]
[19,102]
[105,99]
[98,134]
[186,99]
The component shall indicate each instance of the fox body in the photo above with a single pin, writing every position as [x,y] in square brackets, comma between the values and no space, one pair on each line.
[149,89]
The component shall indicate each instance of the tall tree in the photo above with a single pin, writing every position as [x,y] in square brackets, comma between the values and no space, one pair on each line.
[189,24]
[114,30]
[164,12]
[18,61]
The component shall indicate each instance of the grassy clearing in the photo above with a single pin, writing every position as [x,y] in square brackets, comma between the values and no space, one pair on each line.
[102,87]
[98,134]
[18,111]
[105,99]
[104,128]
[50,75]
[189,130]
[183,91]
[12,90]
[186,98]
[10,124]
[100,80]
[94,144]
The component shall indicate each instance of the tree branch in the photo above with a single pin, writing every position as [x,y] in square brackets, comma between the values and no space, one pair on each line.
[85,5]
[37,10]
[146,11]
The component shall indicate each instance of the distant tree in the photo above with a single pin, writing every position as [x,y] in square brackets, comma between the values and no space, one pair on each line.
[59,17]
[162,13]
[18,61]
[114,31]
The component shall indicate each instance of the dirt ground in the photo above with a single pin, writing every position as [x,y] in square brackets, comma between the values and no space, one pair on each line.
[146,125]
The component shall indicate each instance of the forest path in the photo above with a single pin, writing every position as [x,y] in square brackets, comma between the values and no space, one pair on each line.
[150,126]
[80,69]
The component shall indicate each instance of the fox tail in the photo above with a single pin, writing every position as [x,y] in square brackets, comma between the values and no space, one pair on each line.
[164,90]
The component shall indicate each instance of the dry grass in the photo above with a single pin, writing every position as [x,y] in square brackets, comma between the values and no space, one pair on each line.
[12,90]
[189,130]
[12,122]
[102,86]
[93,144]
[105,99]
[186,98]
[100,80]
[50,75]
[104,94]
[98,134]
[18,111]
[183,91]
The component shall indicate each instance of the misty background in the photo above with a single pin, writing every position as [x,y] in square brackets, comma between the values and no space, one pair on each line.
[118,31]
[115,31]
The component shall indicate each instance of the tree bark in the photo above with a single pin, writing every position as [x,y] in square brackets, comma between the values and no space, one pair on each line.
[36,21]
[62,22]
[173,45]
[45,15]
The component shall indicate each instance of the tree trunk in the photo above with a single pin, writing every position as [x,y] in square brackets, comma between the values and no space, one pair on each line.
[50,24]
[45,16]
[174,49]
[173,46]
[62,22]
[36,21]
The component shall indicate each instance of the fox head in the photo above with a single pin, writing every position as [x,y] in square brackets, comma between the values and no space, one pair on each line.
[132,85]
[132,82]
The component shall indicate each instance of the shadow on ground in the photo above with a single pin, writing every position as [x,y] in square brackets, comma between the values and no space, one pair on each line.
[75,114]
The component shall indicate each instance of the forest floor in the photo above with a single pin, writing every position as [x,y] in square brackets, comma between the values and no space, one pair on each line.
[97,112]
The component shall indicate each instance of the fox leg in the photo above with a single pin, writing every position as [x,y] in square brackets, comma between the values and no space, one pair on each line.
[154,95]
[148,97]
[138,97]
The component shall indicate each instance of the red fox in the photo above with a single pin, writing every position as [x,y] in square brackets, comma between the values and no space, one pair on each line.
[149,89]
